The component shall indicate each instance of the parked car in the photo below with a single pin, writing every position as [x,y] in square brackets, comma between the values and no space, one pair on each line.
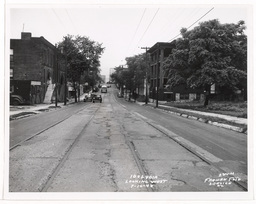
[119,95]
[16,100]
[96,98]
[95,89]
[87,97]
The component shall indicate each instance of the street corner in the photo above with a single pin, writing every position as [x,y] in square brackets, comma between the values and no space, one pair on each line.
[19,112]
[22,115]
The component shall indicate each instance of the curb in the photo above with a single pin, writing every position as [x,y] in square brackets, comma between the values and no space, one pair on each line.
[28,112]
[185,115]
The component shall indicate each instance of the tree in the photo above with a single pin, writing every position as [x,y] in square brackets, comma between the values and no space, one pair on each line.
[134,75]
[122,77]
[137,66]
[211,53]
[83,57]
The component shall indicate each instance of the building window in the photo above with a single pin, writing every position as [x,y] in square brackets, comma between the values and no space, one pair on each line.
[11,89]
[165,81]
[177,96]
[11,55]
[47,57]
[11,73]
[11,63]
[44,56]
[213,89]
[192,96]
[51,60]
[184,96]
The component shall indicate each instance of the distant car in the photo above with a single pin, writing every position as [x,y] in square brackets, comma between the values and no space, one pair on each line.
[87,97]
[96,98]
[104,89]
[109,86]
[16,100]
[119,95]
[95,89]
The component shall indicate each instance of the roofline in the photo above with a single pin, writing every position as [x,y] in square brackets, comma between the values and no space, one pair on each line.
[37,38]
[45,41]
[161,45]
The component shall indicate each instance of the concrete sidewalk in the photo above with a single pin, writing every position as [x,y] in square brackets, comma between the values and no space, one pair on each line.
[225,117]
[35,109]
[233,119]
[16,110]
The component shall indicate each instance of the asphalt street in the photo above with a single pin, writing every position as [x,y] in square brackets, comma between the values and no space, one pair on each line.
[118,146]
[229,146]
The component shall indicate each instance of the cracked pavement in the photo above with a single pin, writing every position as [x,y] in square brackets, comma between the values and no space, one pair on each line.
[116,152]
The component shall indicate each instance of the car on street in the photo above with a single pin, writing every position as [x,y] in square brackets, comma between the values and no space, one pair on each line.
[104,89]
[88,97]
[96,97]
[95,89]
[16,100]
[119,95]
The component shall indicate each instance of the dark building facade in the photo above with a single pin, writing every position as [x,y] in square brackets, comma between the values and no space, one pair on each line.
[37,63]
[158,77]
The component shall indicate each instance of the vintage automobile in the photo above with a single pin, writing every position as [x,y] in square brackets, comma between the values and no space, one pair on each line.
[95,89]
[119,95]
[16,100]
[88,97]
[96,98]
[104,89]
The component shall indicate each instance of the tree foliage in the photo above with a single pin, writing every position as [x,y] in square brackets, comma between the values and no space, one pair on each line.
[137,66]
[211,53]
[133,76]
[83,59]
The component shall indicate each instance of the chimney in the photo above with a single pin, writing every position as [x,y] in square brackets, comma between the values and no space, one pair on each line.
[26,36]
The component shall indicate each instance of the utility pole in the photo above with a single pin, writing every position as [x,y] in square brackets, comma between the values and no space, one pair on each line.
[157,76]
[65,79]
[56,78]
[147,62]
[65,90]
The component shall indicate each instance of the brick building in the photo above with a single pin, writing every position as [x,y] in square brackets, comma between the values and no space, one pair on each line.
[35,66]
[159,78]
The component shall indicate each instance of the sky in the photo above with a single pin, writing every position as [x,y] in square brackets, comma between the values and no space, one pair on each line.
[122,29]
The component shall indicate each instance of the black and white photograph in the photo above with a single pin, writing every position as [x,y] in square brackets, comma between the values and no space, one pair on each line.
[112,101]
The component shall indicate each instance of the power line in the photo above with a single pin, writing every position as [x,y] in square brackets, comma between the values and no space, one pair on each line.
[71,20]
[63,26]
[148,26]
[139,23]
[137,28]
[178,13]
[194,22]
